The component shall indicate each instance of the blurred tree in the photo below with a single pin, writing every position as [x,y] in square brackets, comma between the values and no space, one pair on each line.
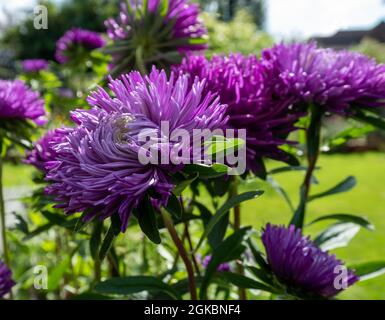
[31,43]
[227,9]
[372,48]
[239,35]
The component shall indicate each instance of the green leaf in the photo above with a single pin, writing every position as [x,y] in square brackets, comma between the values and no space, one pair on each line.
[57,273]
[181,186]
[228,250]
[245,282]
[107,243]
[147,220]
[342,217]
[220,145]
[216,236]
[344,186]
[96,240]
[174,207]
[38,231]
[281,191]
[288,169]
[263,275]
[229,204]
[135,284]
[258,257]
[371,119]
[336,236]
[348,134]
[207,171]
[369,270]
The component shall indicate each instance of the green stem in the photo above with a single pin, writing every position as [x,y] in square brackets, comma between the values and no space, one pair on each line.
[182,252]
[313,142]
[139,60]
[2,213]
[191,247]
[237,226]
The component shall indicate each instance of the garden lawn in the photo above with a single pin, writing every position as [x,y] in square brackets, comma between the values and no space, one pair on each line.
[367,198]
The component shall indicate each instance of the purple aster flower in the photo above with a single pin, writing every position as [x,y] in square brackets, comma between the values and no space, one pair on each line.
[34,65]
[77,41]
[334,79]
[224,267]
[300,265]
[6,282]
[17,101]
[159,34]
[42,152]
[242,84]
[97,168]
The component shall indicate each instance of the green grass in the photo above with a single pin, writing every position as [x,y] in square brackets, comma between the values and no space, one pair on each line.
[17,175]
[368,199]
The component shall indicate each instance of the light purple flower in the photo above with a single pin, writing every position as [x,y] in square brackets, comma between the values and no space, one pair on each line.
[17,101]
[34,65]
[97,168]
[77,40]
[224,267]
[242,84]
[300,265]
[6,282]
[42,152]
[160,33]
[336,80]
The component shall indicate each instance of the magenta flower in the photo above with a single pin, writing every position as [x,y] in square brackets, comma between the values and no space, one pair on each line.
[97,168]
[242,84]
[34,65]
[17,101]
[337,80]
[300,265]
[75,42]
[159,33]
[6,282]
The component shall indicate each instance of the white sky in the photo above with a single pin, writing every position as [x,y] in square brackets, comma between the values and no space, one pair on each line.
[295,18]
[304,18]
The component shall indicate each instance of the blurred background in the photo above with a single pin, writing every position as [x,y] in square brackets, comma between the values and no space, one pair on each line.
[245,26]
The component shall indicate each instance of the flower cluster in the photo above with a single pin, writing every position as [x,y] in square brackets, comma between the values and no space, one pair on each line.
[336,80]
[75,42]
[160,30]
[300,265]
[97,169]
[34,65]
[242,84]
[6,282]
[17,101]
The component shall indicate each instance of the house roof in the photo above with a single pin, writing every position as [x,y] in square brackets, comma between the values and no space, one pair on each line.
[352,37]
